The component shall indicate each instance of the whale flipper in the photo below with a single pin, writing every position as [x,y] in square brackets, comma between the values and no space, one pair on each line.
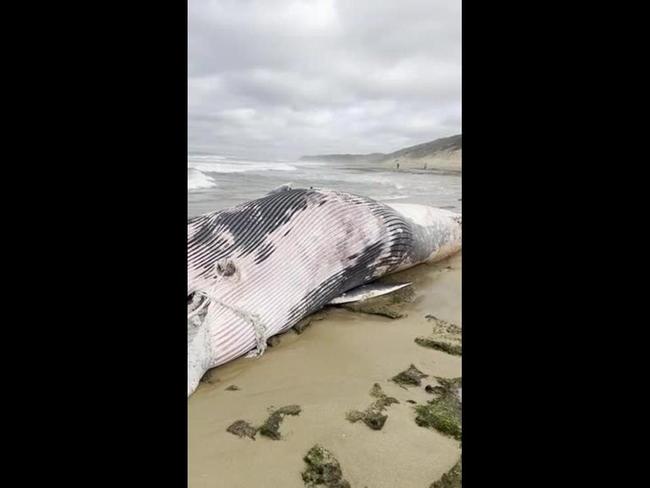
[365,292]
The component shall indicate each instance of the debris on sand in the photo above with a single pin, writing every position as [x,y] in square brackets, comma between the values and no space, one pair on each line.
[445,337]
[443,413]
[373,416]
[289,410]
[435,390]
[383,400]
[270,428]
[374,419]
[442,327]
[273,341]
[391,305]
[384,311]
[411,376]
[450,384]
[452,478]
[233,388]
[242,428]
[300,327]
[448,347]
[354,415]
[323,469]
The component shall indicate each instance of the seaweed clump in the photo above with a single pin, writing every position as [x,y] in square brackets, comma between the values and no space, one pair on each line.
[300,327]
[446,337]
[452,478]
[271,427]
[443,413]
[444,346]
[242,428]
[373,416]
[411,376]
[323,469]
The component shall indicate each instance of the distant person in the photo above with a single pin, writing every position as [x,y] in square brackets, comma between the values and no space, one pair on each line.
[397,166]
[425,165]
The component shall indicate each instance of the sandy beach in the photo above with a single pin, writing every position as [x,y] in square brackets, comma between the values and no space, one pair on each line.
[329,370]
[447,162]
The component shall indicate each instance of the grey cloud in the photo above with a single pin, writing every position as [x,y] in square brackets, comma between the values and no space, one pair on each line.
[277,79]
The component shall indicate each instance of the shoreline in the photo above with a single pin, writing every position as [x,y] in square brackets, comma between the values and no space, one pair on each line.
[424,165]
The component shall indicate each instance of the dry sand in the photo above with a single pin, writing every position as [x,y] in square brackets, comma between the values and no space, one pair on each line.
[328,370]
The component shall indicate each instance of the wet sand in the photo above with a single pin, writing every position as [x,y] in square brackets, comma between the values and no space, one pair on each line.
[329,370]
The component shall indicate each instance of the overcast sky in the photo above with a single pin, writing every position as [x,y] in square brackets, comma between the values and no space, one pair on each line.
[273,79]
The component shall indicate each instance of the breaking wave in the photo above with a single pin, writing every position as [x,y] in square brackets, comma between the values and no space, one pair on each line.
[196,180]
[220,164]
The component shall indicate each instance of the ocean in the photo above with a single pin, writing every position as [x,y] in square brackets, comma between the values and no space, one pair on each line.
[215,182]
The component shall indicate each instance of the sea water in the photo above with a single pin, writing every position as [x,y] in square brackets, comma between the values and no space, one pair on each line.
[215,182]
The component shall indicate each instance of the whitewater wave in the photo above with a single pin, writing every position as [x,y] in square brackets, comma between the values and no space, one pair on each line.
[216,164]
[387,180]
[375,180]
[196,180]
[392,197]
[205,157]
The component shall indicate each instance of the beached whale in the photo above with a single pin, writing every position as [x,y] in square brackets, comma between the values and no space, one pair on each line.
[257,269]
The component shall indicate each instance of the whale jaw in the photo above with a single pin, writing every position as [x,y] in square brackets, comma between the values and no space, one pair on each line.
[198,354]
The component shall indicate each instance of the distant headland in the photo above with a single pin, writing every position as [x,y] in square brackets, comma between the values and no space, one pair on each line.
[441,154]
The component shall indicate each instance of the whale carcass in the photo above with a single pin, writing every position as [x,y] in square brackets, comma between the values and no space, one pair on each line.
[257,269]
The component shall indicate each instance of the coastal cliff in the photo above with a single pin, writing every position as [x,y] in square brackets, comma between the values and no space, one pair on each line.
[441,154]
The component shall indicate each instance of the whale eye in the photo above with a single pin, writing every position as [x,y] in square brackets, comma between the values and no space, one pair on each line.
[226,268]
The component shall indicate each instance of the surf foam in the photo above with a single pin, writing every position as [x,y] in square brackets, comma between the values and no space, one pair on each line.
[219,164]
[196,180]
